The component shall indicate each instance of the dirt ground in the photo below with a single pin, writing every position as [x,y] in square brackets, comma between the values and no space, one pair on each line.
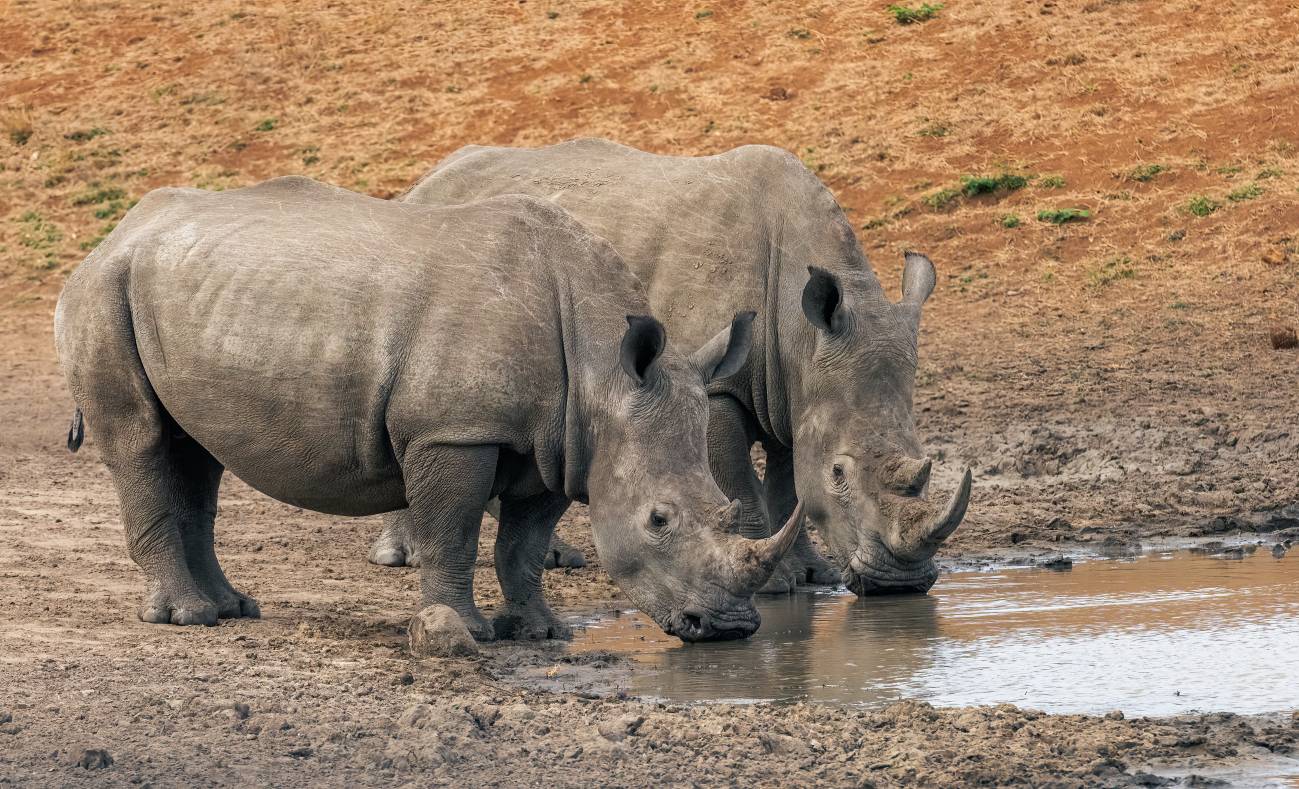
[1111,379]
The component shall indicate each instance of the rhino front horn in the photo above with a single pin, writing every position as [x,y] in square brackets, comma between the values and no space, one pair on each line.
[931,532]
[760,557]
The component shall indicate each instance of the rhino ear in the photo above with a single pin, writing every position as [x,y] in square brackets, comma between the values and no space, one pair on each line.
[642,346]
[726,352]
[823,300]
[917,278]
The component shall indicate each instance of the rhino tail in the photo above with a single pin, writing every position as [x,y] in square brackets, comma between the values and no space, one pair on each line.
[77,432]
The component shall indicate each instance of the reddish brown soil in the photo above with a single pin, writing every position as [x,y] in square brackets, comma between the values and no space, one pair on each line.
[1110,379]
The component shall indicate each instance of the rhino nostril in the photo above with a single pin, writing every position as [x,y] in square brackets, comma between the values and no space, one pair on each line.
[693,621]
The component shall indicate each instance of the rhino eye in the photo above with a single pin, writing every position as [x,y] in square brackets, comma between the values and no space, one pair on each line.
[837,472]
[657,521]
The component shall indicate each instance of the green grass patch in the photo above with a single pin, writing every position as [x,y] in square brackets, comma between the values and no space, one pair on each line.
[1111,271]
[876,223]
[1202,205]
[801,33]
[1145,172]
[942,200]
[40,236]
[703,14]
[1051,182]
[85,135]
[935,129]
[1247,192]
[972,185]
[97,196]
[1059,216]
[906,15]
[1270,172]
[1010,220]
[267,124]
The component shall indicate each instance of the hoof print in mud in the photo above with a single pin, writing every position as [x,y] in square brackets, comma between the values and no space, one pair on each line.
[437,631]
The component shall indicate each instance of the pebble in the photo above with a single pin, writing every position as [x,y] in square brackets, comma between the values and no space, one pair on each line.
[1114,715]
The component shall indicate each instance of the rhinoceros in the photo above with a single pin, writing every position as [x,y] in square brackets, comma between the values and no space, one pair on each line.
[828,388]
[353,356]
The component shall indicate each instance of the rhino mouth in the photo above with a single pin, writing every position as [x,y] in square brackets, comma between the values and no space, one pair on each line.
[699,624]
[875,570]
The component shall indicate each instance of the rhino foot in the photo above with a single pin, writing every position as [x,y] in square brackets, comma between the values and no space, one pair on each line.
[812,569]
[535,622]
[235,605]
[477,625]
[782,581]
[389,550]
[561,554]
[178,608]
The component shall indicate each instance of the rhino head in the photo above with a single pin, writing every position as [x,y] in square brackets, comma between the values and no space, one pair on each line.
[858,465]
[662,528]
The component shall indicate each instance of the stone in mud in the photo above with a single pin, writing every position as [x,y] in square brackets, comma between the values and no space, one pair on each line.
[1114,715]
[1284,337]
[1278,551]
[94,759]
[437,631]
[1058,563]
[620,728]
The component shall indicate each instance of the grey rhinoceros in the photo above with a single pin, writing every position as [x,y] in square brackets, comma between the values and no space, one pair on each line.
[353,356]
[828,387]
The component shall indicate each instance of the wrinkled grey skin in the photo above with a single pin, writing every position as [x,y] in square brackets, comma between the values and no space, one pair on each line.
[828,387]
[355,356]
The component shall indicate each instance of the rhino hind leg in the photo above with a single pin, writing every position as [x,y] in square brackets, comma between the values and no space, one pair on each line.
[524,543]
[165,499]
[447,487]
[203,480]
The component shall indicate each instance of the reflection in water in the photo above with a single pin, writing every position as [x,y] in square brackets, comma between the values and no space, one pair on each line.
[1158,635]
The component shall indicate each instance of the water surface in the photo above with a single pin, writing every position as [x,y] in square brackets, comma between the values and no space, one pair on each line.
[1158,635]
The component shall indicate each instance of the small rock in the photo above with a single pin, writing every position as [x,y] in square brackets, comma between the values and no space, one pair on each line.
[1058,563]
[619,728]
[1284,337]
[1114,715]
[1294,719]
[1273,258]
[438,632]
[5,716]
[778,93]
[241,710]
[1149,779]
[1278,552]
[406,679]
[301,753]
[94,759]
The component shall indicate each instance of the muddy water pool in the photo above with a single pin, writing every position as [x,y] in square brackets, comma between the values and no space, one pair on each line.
[1165,633]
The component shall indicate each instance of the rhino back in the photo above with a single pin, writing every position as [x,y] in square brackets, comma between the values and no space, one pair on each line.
[281,325]
[705,234]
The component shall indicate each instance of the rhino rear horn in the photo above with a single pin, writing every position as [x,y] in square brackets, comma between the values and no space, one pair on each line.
[728,350]
[917,278]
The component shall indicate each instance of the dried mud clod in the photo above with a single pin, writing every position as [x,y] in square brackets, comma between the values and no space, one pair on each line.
[1284,338]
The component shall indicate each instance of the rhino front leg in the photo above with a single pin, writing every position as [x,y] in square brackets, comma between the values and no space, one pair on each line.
[523,542]
[804,562]
[448,487]
[731,433]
